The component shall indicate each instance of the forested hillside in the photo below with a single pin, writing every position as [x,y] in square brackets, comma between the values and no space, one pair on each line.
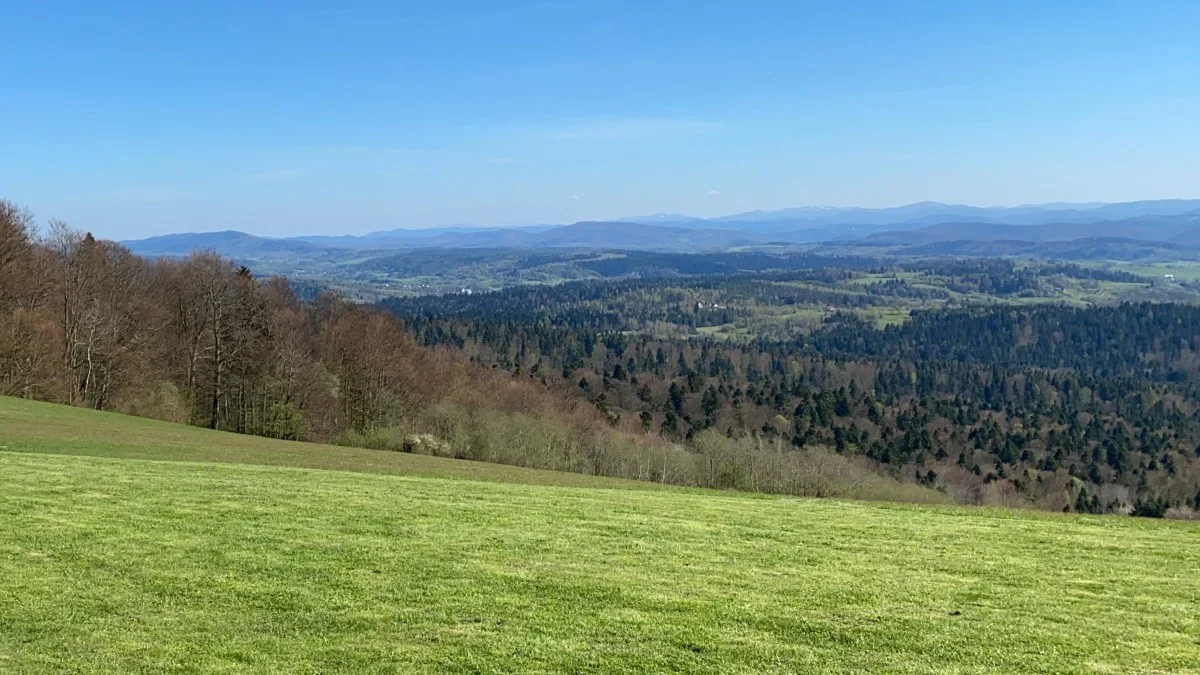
[203,341]
[1090,408]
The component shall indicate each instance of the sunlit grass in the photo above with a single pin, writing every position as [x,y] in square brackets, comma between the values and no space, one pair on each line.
[125,566]
[112,564]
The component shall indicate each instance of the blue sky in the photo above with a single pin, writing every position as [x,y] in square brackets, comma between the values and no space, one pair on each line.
[132,119]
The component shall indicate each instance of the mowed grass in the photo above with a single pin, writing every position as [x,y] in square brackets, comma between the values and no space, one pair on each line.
[126,565]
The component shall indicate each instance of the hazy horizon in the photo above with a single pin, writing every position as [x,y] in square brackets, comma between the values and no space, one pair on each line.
[663,218]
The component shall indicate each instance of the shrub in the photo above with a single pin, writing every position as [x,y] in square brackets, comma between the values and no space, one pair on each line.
[1150,507]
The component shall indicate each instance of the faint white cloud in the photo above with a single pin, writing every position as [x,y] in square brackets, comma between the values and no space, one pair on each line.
[714,192]
[575,198]
[625,129]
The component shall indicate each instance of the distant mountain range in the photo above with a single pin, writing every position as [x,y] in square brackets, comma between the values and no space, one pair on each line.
[586,235]
[928,213]
[1174,222]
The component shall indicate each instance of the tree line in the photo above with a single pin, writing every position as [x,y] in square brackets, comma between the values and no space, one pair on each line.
[202,340]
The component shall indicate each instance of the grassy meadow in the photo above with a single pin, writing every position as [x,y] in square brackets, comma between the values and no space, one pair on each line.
[247,555]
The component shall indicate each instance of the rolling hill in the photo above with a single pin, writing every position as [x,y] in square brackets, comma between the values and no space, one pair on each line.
[1143,228]
[114,561]
[1161,230]
[923,222]
[638,236]
[229,243]
[1086,248]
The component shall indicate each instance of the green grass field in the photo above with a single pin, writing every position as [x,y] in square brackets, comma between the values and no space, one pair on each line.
[113,563]
[1182,270]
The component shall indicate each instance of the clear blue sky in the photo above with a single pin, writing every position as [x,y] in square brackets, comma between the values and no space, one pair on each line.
[141,118]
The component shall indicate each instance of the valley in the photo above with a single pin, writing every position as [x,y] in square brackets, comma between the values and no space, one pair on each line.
[621,337]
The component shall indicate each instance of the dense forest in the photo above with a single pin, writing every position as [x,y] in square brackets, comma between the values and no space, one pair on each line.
[1091,408]
[779,303]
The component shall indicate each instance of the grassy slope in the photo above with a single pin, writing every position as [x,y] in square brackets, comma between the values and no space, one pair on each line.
[30,426]
[117,565]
